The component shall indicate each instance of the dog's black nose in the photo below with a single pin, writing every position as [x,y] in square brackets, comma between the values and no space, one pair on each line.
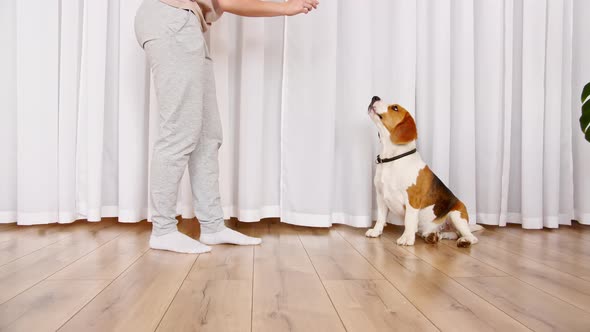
[375,98]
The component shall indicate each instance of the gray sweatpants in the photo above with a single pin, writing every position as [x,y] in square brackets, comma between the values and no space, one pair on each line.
[190,127]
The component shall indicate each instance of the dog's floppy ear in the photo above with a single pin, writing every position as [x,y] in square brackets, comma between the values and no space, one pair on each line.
[405,131]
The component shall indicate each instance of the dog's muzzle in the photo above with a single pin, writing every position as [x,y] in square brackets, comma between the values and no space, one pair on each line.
[373,101]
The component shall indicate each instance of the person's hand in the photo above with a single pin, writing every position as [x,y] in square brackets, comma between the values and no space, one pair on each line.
[294,7]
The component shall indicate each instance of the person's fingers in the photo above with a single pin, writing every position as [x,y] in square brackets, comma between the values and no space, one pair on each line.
[306,5]
[309,4]
[313,3]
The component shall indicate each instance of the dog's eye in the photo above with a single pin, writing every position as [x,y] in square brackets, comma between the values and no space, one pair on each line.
[395,108]
[380,116]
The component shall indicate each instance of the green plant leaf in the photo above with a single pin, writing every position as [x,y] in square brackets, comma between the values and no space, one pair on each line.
[586,92]
[585,119]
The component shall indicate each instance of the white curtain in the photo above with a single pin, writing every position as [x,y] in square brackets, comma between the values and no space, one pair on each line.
[494,85]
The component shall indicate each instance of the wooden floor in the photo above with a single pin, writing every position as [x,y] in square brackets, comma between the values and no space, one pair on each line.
[103,277]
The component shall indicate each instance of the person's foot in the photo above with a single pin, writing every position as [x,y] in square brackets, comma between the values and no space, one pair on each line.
[229,236]
[178,242]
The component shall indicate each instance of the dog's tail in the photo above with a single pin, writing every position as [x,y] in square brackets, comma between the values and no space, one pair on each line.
[475,228]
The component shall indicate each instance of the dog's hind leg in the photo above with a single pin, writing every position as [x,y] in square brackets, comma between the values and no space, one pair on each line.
[430,231]
[448,236]
[460,220]
[447,231]
[381,218]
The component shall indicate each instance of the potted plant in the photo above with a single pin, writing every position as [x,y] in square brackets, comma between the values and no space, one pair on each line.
[585,118]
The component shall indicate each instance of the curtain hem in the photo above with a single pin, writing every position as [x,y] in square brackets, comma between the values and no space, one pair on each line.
[272,211]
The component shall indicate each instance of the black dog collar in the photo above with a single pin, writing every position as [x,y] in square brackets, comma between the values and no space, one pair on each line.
[388,160]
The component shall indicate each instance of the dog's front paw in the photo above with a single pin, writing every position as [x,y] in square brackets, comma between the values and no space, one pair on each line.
[373,232]
[406,239]
[466,241]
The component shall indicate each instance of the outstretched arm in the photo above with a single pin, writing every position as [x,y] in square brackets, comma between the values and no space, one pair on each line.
[258,8]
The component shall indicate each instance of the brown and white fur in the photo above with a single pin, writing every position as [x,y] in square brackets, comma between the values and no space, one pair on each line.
[408,187]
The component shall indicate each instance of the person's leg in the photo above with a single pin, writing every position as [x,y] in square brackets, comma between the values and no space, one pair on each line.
[204,173]
[178,69]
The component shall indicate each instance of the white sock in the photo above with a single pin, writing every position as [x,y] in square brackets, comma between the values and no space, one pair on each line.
[229,236]
[178,242]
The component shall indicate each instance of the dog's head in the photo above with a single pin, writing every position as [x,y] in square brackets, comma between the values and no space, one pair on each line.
[393,121]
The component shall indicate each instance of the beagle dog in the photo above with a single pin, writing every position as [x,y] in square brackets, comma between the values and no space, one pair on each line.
[406,185]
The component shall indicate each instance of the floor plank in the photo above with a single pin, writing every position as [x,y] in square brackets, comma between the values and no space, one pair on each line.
[577,236]
[224,263]
[529,305]
[23,240]
[48,305]
[580,231]
[375,305]
[210,305]
[344,267]
[550,249]
[7,226]
[559,284]
[102,277]
[279,240]
[324,241]
[25,272]
[444,301]
[217,295]
[451,262]
[138,299]
[110,260]
[334,258]
[288,294]
[10,231]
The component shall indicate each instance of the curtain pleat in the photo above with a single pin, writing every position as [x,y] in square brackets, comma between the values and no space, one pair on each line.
[133,120]
[8,115]
[309,115]
[71,18]
[37,119]
[462,157]
[580,77]
[494,86]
